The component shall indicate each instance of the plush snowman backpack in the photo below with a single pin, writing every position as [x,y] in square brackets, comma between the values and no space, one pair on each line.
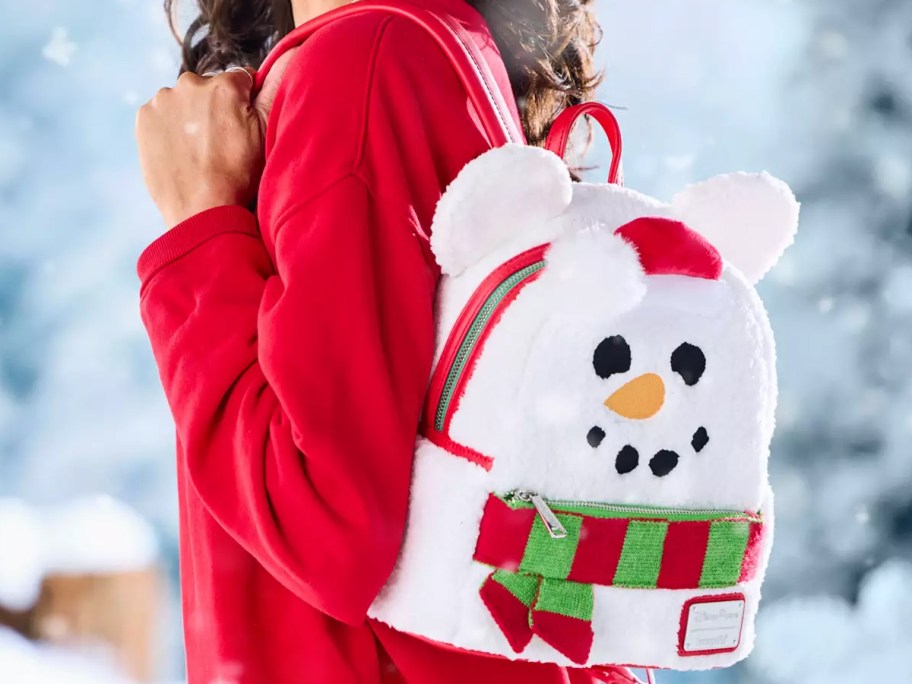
[590,484]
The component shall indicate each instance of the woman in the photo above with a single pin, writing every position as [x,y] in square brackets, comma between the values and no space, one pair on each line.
[294,344]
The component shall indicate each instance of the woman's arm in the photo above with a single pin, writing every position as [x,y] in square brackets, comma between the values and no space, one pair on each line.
[296,385]
[296,394]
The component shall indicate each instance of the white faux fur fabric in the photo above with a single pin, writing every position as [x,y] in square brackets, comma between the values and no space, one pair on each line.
[750,217]
[464,232]
[533,395]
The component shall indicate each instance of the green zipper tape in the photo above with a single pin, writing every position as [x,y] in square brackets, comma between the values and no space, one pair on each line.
[597,509]
[471,338]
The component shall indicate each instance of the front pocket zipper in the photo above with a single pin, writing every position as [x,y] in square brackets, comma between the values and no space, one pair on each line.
[521,498]
[620,545]
[552,524]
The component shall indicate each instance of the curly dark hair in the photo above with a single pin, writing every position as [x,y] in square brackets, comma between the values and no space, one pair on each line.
[547,46]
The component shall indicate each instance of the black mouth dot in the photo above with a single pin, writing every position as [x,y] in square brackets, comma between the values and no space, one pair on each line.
[595,436]
[663,463]
[627,460]
[700,439]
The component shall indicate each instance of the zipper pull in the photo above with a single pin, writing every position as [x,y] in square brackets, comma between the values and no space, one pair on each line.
[552,524]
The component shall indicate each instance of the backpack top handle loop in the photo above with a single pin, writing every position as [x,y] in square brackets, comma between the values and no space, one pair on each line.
[563,125]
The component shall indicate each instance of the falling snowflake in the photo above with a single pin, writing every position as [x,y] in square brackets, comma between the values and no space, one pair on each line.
[59,49]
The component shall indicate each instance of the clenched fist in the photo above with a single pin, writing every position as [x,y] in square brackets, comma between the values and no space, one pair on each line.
[201,144]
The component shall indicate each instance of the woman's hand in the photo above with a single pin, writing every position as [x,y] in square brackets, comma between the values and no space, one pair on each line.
[200,145]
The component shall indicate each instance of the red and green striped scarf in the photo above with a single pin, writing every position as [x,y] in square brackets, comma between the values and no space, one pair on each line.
[542,585]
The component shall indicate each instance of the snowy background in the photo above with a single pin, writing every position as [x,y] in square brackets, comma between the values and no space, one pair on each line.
[818,92]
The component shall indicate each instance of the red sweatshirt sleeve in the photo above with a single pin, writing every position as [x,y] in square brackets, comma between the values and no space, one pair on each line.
[295,356]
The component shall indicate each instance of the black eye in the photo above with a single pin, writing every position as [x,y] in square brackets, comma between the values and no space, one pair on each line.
[612,355]
[688,362]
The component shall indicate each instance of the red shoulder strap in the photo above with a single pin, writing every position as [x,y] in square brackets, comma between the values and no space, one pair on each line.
[460,49]
[563,124]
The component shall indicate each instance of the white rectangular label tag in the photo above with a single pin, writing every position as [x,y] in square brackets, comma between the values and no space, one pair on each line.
[712,626]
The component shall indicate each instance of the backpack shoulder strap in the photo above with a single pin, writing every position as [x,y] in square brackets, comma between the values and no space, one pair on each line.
[462,52]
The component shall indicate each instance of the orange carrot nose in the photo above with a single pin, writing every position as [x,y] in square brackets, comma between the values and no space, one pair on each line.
[640,398]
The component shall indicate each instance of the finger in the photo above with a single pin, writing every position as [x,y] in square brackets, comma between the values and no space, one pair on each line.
[236,83]
[160,95]
[139,119]
[188,78]
[241,77]
[249,70]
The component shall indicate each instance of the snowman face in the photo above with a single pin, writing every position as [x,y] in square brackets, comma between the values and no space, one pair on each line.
[641,373]
[643,397]
[658,405]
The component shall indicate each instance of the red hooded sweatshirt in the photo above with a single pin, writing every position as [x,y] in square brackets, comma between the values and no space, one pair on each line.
[294,346]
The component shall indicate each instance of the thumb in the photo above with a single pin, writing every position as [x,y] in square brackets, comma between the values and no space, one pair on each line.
[244,77]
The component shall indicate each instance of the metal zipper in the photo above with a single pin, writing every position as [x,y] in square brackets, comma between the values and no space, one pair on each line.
[472,336]
[552,524]
[542,504]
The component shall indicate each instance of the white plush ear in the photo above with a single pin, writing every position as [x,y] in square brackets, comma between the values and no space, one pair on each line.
[495,197]
[751,218]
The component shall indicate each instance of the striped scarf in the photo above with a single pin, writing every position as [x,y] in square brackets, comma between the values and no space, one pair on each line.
[544,586]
